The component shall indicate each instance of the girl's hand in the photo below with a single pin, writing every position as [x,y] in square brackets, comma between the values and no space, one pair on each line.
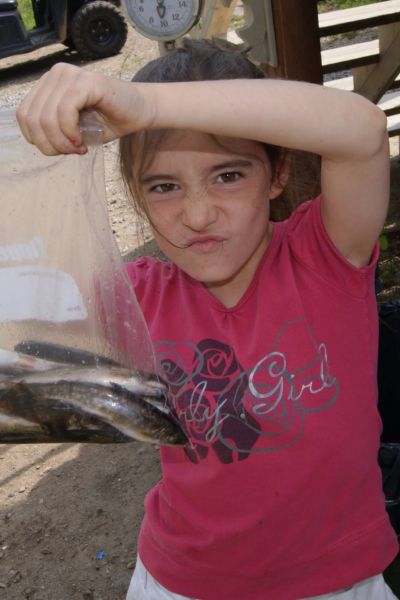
[49,115]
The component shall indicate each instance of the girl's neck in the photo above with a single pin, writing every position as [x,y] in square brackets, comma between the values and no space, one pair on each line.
[230,292]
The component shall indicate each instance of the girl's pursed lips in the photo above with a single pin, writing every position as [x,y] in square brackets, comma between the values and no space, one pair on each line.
[200,239]
[204,243]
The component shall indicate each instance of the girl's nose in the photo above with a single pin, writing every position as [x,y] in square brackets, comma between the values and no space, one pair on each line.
[198,211]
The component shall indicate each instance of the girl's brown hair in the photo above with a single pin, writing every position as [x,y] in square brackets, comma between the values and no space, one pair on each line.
[195,60]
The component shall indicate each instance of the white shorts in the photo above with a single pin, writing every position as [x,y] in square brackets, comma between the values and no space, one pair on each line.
[144,587]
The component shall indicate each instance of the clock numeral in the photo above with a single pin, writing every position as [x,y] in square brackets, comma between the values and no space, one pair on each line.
[141,8]
[182,3]
[151,20]
[176,17]
[164,23]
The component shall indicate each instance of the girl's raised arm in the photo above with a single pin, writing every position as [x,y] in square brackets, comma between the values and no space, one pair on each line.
[49,115]
[346,130]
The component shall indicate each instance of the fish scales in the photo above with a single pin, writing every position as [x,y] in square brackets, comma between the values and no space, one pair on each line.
[25,418]
[95,399]
[131,414]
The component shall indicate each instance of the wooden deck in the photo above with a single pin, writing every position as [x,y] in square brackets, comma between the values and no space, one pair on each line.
[348,57]
[347,83]
[285,36]
[361,17]
[374,64]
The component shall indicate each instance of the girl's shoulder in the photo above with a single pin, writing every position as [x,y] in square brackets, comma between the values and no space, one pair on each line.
[308,242]
[146,268]
[150,275]
[159,286]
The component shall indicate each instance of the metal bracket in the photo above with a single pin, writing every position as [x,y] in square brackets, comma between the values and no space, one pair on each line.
[215,19]
[257,34]
[258,31]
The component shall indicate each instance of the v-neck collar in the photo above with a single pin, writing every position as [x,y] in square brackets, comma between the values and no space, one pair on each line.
[216,304]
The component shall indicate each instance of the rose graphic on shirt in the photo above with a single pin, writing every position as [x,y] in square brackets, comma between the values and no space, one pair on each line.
[216,365]
[233,412]
[211,405]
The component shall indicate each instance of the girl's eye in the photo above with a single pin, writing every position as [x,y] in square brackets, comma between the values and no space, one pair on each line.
[164,188]
[229,177]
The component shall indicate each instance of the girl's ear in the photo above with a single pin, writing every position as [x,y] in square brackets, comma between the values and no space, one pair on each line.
[281,176]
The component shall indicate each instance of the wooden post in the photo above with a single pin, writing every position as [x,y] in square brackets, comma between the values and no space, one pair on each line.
[297,41]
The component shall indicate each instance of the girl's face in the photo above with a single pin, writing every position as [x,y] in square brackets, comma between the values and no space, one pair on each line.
[208,202]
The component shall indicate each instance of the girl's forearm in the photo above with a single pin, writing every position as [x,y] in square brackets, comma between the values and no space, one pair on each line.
[333,123]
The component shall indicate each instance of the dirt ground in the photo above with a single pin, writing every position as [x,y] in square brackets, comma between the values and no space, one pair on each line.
[69,514]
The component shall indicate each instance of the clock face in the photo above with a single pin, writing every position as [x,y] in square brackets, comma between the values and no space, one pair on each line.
[163,19]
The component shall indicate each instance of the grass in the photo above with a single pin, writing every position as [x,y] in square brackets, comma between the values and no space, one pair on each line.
[25,9]
[326,5]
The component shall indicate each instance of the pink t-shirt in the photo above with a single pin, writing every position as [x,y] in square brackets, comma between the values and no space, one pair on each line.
[280,495]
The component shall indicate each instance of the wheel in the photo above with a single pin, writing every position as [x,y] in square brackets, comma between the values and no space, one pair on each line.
[69,43]
[98,30]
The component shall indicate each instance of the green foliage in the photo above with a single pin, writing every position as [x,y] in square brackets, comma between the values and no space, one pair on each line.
[25,9]
[383,242]
[326,5]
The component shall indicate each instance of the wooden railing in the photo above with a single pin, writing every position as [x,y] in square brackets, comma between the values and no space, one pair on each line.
[374,65]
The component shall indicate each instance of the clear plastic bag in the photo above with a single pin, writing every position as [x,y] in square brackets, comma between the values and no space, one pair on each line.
[67,307]
[61,275]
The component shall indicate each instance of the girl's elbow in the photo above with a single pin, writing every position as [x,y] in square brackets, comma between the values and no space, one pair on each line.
[375,131]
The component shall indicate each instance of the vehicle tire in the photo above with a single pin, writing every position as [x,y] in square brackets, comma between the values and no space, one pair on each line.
[69,43]
[98,30]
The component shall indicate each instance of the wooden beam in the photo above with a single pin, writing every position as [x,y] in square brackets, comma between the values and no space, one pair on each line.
[297,41]
[347,57]
[394,125]
[375,81]
[347,83]
[360,17]
[390,104]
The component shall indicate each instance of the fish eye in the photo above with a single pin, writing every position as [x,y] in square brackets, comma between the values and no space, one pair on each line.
[229,177]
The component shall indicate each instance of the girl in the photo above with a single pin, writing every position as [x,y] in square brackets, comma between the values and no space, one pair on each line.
[266,333]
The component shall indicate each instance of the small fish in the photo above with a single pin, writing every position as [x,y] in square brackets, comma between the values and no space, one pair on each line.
[108,377]
[42,356]
[56,353]
[13,363]
[27,419]
[56,401]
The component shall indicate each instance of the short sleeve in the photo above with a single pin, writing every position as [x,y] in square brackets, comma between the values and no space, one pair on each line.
[312,246]
[138,274]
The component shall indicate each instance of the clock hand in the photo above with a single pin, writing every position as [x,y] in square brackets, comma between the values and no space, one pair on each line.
[161,8]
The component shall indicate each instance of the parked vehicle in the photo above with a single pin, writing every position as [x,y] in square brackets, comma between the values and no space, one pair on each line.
[94,28]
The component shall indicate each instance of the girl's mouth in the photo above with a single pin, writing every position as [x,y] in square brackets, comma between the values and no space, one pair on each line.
[204,244]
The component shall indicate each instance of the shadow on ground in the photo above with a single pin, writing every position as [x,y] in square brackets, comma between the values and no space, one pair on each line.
[73,533]
[392,576]
[28,67]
